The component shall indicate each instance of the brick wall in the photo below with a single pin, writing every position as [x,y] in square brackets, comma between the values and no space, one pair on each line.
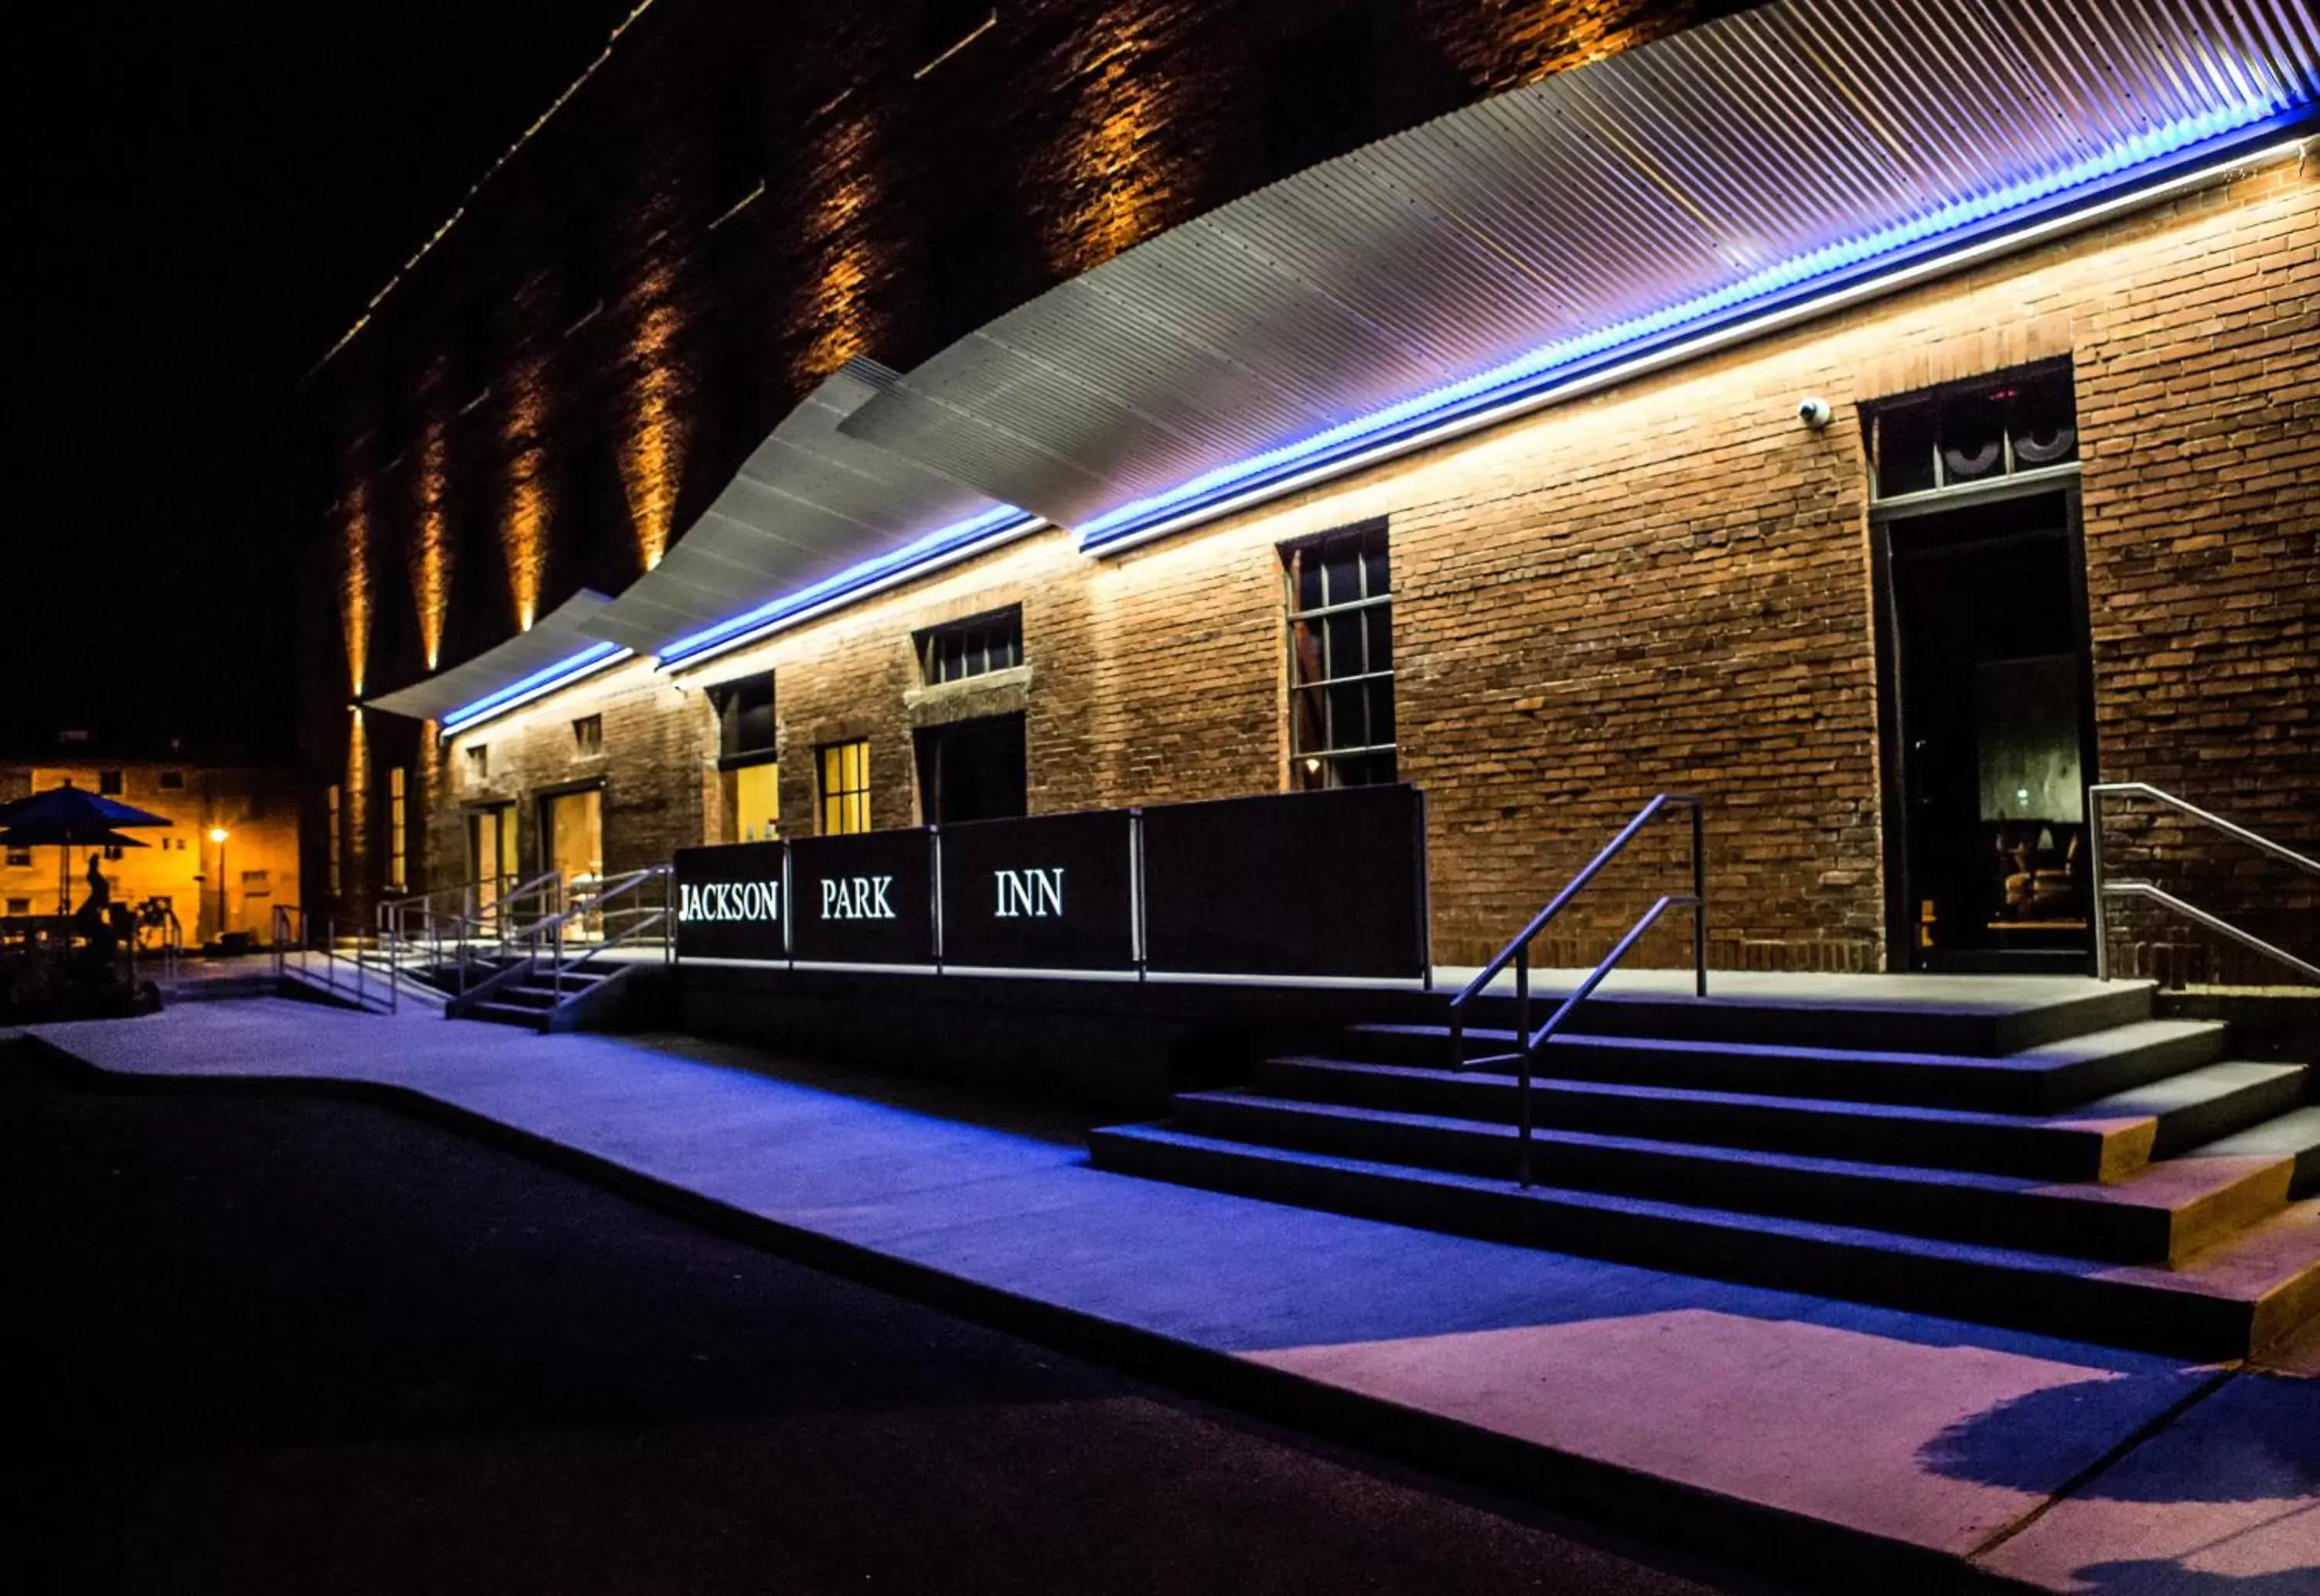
[1666,586]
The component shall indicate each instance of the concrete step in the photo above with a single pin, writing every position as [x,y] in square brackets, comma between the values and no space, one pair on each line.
[2160,1214]
[2232,1298]
[2102,1140]
[2294,1136]
[542,995]
[509,1014]
[2046,1078]
[1981,1016]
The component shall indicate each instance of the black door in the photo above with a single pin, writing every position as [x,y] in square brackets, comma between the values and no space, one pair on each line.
[1988,734]
[971,770]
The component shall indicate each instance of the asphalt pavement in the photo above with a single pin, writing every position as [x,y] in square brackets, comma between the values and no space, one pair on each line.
[270,1342]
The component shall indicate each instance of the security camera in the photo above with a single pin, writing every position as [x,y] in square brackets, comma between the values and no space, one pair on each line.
[1815,412]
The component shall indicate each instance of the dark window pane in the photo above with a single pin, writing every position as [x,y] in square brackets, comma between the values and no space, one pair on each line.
[1349,726]
[1380,712]
[1905,450]
[1305,571]
[1343,561]
[1381,626]
[1373,560]
[2045,422]
[1973,445]
[1346,629]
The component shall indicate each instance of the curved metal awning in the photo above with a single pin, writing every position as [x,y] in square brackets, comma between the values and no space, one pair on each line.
[812,513]
[1534,240]
[554,653]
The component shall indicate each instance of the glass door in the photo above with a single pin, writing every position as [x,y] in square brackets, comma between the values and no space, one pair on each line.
[572,840]
[1989,734]
[492,860]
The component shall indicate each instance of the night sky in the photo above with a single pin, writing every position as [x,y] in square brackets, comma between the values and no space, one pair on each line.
[212,197]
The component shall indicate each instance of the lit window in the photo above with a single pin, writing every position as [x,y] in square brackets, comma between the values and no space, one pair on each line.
[971,647]
[753,801]
[108,782]
[1341,731]
[332,835]
[398,832]
[588,735]
[173,781]
[845,788]
[1973,433]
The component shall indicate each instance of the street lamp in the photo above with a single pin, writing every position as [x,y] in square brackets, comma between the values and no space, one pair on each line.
[218,834]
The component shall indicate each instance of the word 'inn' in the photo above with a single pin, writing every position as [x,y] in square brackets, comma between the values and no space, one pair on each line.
[856,897]
[729,899]
[1032,894]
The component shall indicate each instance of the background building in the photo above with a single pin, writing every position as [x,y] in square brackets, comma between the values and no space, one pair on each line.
[200,791]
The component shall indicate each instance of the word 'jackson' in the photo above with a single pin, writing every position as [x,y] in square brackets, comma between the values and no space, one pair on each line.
[729,900]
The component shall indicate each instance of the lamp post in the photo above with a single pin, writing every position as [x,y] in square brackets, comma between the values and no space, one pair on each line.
[218,834]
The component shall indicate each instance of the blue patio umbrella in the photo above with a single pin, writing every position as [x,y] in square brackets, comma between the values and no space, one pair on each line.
[68,817]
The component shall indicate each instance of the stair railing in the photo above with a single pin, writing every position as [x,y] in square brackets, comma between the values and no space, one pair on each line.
[1530,1043]
[2102,887]
[600,906]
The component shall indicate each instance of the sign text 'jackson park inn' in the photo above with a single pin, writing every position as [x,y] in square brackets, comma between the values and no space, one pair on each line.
[1317,884]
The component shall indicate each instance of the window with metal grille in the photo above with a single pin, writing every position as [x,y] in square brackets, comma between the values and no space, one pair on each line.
[18,857]
[479,761]
[844,787]
[588,735]
[20,905]
[1340,602]
[971,647]
[1971,434]
[398,832]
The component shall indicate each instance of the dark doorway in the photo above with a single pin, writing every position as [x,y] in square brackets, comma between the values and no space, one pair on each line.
[1988,719]
[971,770]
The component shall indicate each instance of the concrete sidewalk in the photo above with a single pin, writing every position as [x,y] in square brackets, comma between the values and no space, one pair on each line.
[1921,1446]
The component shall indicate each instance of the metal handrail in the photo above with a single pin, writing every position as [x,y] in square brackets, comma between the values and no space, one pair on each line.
[646,916]
[1534,1044]
[1518,951]
[294,926]
[2100,887]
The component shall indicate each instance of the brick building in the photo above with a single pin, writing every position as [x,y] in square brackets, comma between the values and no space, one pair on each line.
[1888,561]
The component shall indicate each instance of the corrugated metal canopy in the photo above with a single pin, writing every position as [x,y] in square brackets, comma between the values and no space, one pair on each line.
[1515,244]
[555,639]
[810,504]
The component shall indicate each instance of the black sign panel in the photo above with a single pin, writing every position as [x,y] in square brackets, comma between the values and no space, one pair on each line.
[866,899]
[1292,883]
[729,902]
[1054,893]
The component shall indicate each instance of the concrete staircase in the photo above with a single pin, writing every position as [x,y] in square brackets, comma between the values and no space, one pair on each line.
[522,994]
[2038,1153]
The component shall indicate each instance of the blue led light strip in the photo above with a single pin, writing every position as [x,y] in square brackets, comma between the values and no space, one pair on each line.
[2141,161]
[1002,522]
[590,660]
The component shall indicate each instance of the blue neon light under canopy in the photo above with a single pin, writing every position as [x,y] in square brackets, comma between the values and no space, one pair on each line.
[992,525]
[2141,162]
[589,660]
